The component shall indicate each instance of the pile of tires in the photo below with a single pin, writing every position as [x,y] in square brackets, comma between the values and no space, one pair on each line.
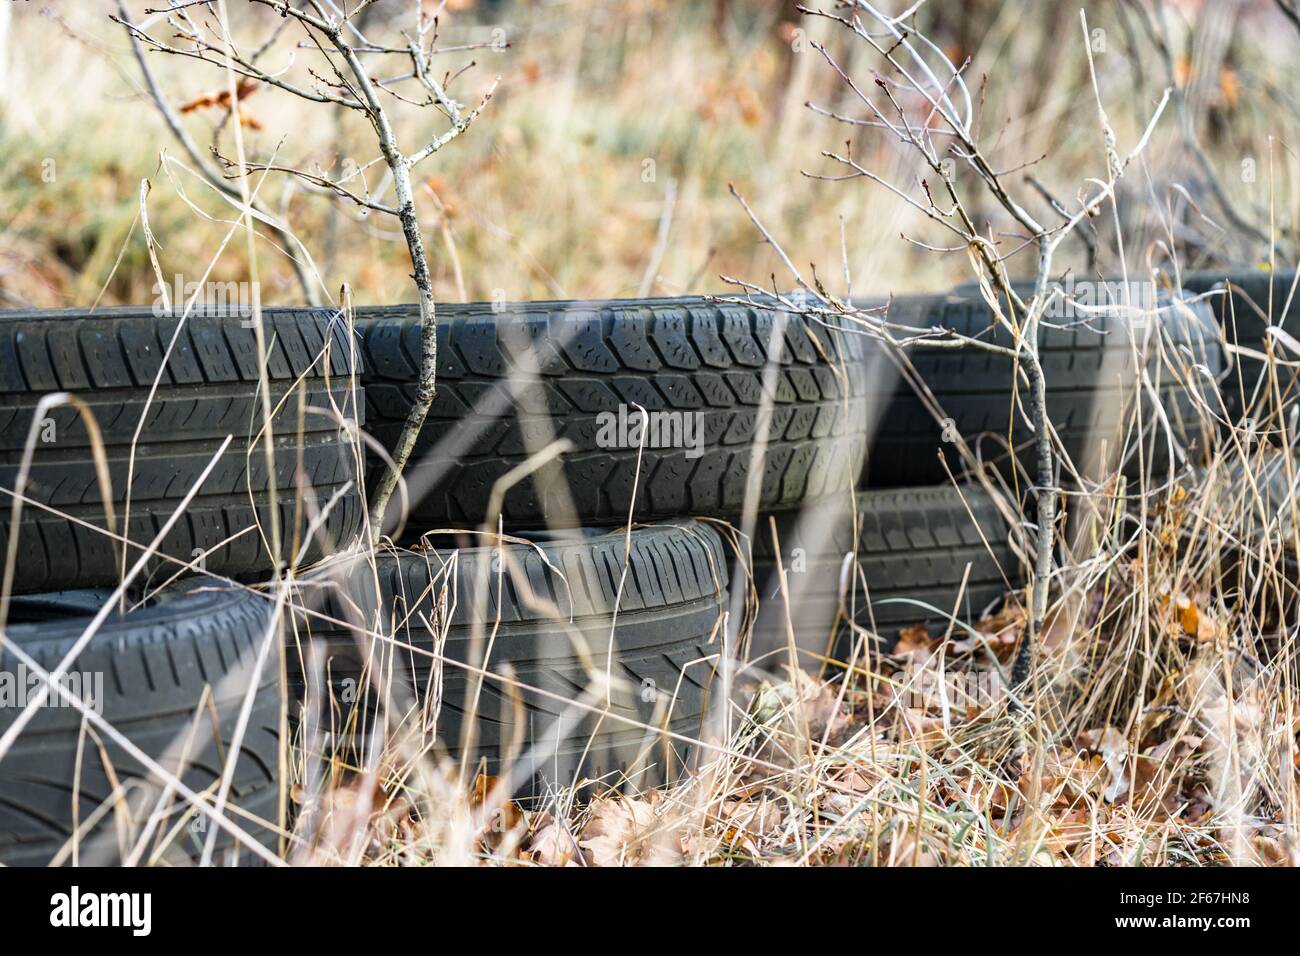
[566,575]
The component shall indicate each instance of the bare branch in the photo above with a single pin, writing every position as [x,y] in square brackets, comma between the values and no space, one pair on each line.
[460,126]
[329,31]
[310,289]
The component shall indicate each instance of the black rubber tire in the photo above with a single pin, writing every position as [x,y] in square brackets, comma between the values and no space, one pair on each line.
[109,359]
[1090,376]
[155,663]
[913,545]
[676,355]
[1243,313]
[666,645]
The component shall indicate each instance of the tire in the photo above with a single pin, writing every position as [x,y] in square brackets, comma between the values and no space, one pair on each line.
[1091,380]
[154,664]
[686,356]
[913,546]
[109,359]
[665,646]
[1242,307]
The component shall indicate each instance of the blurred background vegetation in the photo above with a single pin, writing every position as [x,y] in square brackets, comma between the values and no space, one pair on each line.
[607,110]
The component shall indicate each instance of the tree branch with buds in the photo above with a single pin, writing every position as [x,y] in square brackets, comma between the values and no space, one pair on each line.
[942,134]
[344,80]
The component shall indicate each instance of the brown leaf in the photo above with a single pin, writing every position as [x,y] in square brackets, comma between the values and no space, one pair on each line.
[245,88]
[746,823]
[802,700]
[1184,617]
[1113,748]
[1188,615]
[825,712]
[1068,829]
[925,731]
[979,790]
[552,845]
[903,851]
[1269,851]
[626,831]
[1160,772]
[1001,631]
[483,785]
[914,638]
[1010,617]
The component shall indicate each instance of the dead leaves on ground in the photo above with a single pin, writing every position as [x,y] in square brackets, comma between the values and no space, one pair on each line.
[1153,788]
[998,633]
[801,703]
[630,832]
[615,831]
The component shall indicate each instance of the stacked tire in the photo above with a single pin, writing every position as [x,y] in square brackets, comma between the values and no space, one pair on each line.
[613,440]
[860,528]
[565,577]
[1259,317]
[1126,385]
[169,456]
[543,659]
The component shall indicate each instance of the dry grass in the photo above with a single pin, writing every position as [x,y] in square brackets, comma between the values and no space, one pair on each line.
[1162,727]
[1163,733]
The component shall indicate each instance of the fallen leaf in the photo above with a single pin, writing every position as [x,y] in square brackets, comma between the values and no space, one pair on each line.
[913,639]
[552,845]
[1068,829]
[1269,851]
[1113,748]
[746,823]
[626,831]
